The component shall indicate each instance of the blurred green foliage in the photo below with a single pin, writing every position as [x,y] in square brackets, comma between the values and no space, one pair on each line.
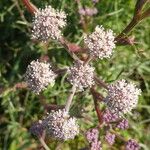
[19,108]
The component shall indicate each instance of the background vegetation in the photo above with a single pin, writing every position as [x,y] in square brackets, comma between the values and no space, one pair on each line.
[19,108]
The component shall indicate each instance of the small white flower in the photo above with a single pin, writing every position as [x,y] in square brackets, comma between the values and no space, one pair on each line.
[60,125]
[47,23]
[39,75]
[122,97]
[81,75]
[100,43]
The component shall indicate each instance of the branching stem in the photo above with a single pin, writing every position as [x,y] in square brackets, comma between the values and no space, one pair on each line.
[138,16]
[100,82]
[65,44]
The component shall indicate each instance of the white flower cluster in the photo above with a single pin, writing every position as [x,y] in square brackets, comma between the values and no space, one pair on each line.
[60,125]
[81,75]
[47,23]
[122,97]
[100,43]
[39,75]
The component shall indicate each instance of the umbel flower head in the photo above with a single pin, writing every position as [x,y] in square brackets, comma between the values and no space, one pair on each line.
[92,135]
[108,116]
[60,125]
[123,124]
[39,75]
[122,97]
[110,138]
[81,75]
[100,43]
[132,145]
[47,23]
[87,11]
[37,128]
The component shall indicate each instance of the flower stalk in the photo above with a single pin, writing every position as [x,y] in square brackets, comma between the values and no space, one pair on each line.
[44,144]
[70,98]
[30,7]
[100,82]
[138,16]
[96,96]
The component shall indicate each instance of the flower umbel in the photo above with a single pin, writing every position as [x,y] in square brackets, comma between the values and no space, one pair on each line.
[81,75]
[92,135]
[60,125]
[100,43]
[96,145]
[123,124]
[47,23]
[132,145]
[122,97]
[87,11]
[37,128]
[110,138]
[108,116]
[39,75]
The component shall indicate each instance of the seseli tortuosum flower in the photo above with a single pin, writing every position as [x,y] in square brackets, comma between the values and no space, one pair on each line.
[100,43]
[81,75]
[122,97]
[132,145]
[60,125]
[48,23]
[39,75]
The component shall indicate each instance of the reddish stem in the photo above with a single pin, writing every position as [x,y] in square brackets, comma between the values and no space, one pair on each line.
[99,114]
[139,5]
[29,6]
[50,107]
[98,111]
[129,27]
[66,44]
[145,14]
[100,82]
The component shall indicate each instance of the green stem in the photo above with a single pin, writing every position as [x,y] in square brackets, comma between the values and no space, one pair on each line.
[44,144]
[70,98]
[138,16]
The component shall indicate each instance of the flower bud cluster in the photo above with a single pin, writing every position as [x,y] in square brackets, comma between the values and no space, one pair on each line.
[92,137]
[88,11]
[110,138]
[108,116]
[123,124]
[132,145]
